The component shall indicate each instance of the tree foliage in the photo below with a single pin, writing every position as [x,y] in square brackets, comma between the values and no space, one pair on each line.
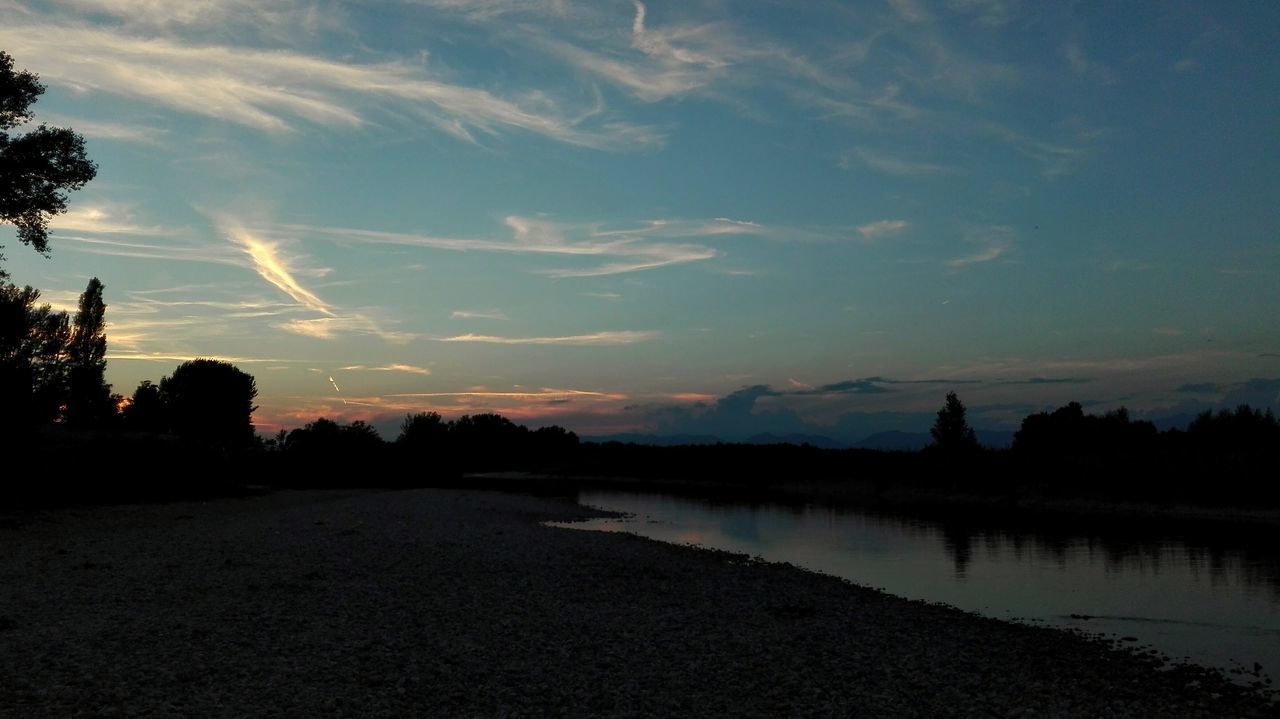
[951,432]
[145,410]
[33,357]
[89,396]
[1239,441]
[210,400]
[424,430]
[485,441]
[38,167]
[328,440]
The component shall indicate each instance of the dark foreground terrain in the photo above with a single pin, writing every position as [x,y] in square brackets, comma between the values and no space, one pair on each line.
[457,603]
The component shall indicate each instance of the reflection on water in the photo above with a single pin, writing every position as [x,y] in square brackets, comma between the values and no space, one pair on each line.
[1212,598]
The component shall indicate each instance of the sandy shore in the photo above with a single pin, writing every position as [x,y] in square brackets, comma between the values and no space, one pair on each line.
[455,603]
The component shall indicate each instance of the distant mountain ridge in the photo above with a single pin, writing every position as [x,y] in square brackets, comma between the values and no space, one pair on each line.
[895,440]
[814,440]
[657,440]
[891,440]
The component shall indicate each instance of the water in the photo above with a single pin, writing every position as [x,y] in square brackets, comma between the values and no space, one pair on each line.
[1211,601]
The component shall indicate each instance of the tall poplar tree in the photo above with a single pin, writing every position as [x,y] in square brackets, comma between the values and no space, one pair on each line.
[89,395]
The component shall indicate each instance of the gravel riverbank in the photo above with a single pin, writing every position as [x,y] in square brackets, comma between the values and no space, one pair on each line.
[458,603]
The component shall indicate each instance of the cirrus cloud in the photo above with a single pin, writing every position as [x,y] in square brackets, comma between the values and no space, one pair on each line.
[607,338]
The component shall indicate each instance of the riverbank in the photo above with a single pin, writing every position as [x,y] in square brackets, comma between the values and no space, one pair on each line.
[460,603]
[908,499]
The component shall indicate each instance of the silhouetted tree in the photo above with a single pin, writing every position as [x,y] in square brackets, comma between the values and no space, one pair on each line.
[951,432]
[424,430]
[1243,444]
[362,436]
[210,400]
[327,438]
[277,442]
[89,396]
[552,444]
[145,410]
[1070,451]
[1052,434]
[38,167]
[33,358]
[1069,434]
[332,454]
[487,441]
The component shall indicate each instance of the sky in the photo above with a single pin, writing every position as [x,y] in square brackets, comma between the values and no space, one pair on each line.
[700,216]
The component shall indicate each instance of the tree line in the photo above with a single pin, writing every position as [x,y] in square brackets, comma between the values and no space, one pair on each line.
[52,366]
[53,372]
[1228,456]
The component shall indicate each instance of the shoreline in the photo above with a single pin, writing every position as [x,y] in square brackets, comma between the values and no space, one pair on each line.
[460,602]
[869,494]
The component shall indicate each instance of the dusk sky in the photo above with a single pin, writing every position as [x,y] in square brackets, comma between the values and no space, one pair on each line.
[698,217]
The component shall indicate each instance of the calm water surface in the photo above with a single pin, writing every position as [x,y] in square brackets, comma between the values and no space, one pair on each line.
[1215,603]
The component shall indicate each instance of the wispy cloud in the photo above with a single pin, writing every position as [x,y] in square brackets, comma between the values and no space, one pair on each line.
[275,91]
[1083,66]
[715,59]
[882,228]
[894,166]
[486,10]
[181,252]
[103,219]
[114,131]
[660,258]
[1055,158]
[274,266]
[911,11]
[518,403]
[113,229]
[987,13]
[635,248]
[1046,380]
[478,315]
[608,338]
[544,393]
[186,319]
[396,367]
[329,328]
[667,62]
[993,242]
[172,357]
[152,15]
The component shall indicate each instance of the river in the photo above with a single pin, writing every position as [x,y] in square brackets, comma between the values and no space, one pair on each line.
[1210,598]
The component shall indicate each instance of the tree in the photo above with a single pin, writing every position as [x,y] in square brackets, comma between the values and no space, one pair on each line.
[951,432]
[210,400]
[424,430]
[332,454]
[325,437]
[89,395]
[145,410]
[33,358]
[38,167]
